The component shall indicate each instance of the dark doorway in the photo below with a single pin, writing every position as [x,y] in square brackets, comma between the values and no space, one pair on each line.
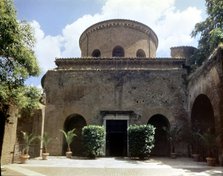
[78,122]
[162,146]
[202,115]
[116,137]
[2,129]
[202,120]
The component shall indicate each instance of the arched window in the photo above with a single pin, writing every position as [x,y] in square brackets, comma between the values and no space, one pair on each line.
[96,53]
[118,51]
[140,53]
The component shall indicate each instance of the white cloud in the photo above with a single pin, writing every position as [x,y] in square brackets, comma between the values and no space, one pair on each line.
[146,11]
[46,48]
[173,27]
[72,32]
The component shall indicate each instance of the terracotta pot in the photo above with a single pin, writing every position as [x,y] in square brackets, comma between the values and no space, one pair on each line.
[68,154]
[220,158]
[45,156]
[211,161]
[173,155]
[196,157]
[24,158]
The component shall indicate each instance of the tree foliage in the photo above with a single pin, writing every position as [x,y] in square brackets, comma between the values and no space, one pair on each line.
[141,140]
[93,139]
[210,30]
[17,59]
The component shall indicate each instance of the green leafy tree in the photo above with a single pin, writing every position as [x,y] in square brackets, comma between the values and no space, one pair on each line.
[17,63]
[17,60]
[210,30]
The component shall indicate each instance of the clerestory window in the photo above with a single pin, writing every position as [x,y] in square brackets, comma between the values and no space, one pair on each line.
[140,53]
[118,51]
[96,53]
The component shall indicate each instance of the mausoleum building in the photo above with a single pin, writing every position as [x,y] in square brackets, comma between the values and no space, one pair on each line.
[118,81]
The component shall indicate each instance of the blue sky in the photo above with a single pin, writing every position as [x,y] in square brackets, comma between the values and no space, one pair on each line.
[58,24]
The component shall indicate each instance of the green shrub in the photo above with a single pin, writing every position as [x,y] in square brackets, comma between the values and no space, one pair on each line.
[141,140]
[93,139]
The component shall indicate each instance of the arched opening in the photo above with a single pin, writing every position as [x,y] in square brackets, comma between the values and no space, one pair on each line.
[202,121]
[78,122]
[202,114]
[118,51]
[140,53]
[96,53]
[162,146]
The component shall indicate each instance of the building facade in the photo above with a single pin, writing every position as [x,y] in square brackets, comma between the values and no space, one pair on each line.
[118,81]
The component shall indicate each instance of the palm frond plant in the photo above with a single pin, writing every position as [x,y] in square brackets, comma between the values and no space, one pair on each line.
[196,144]
[45,140]
[174,136]
[209,141]
[69,136]
[191,136]
[28,139]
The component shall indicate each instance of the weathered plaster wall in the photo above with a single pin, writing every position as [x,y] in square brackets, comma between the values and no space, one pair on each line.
[89,92]
[208,80]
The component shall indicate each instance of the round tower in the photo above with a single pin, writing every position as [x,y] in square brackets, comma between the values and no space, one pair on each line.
[118,38]
[182,51]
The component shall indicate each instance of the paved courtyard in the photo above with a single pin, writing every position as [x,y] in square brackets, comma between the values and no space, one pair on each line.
[59,166]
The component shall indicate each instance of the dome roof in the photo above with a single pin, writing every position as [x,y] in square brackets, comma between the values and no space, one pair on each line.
[101,39]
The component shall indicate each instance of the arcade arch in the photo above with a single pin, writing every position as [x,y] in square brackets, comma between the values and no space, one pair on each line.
[162,146]
[78,122]
[202,114]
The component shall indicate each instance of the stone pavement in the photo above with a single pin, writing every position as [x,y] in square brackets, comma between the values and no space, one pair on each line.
[61,166]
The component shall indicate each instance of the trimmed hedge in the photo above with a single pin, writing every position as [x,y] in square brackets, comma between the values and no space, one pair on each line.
[93,140]
[141,140]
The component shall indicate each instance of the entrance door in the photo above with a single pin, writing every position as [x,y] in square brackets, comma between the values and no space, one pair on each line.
[116,137]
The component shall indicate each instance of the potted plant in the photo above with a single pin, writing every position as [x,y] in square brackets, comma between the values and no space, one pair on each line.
[209,141]
[194,141]
[45,140]
[28,139]
[69,135]
[220,142]
[174,136]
